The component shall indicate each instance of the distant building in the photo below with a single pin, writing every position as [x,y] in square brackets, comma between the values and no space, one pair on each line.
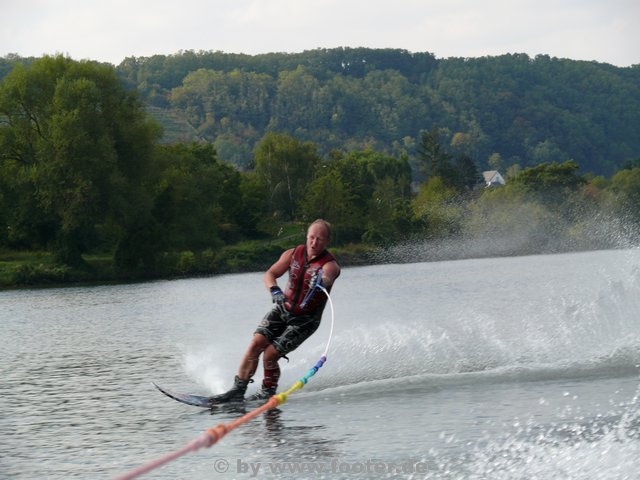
[492,178]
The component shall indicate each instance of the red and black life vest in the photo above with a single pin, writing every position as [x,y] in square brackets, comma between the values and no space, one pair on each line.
[301,273]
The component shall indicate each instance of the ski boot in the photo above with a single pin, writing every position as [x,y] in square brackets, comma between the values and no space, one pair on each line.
[265,393]
[235,394]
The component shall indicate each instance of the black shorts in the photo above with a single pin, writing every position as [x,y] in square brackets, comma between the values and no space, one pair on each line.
[285,331]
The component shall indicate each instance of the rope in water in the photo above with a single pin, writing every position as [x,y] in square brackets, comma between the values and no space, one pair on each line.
[214,434]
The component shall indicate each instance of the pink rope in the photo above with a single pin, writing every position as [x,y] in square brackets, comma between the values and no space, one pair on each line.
[192,446]
[207,439]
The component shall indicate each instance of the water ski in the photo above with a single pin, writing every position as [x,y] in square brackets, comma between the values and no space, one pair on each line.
[189,399]
[205,402]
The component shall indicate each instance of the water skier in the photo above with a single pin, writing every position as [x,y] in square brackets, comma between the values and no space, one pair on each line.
[296,313]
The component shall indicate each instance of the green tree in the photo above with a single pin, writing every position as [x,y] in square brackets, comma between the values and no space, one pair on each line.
[198,199]
[549,177]
[76,147]
[391,104]
[495,161]
[365,195]
[214,100]
[389,211]
[254,201]
[437,209]
[467,175]
[625,188]
[300,103]
[434,160]
[286,167]
[459,171]
[328,196]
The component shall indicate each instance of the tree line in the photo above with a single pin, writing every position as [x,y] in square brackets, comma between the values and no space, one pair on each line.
[83,171]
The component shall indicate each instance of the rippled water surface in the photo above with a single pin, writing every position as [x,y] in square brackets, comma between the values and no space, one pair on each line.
[496,368]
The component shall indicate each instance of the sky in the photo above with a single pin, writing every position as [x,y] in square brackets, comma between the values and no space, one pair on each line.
[111,30]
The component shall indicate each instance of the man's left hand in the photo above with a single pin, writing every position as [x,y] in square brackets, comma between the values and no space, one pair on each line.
[277,295]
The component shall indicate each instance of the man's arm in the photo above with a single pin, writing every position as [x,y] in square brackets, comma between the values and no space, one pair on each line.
[277,269]
[330,271]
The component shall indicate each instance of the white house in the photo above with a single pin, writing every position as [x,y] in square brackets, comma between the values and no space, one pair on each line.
[492,178]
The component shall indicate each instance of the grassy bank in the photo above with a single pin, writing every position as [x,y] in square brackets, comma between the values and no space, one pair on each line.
[39,269]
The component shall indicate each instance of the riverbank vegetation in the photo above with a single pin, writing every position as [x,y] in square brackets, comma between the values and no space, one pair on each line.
[90,192]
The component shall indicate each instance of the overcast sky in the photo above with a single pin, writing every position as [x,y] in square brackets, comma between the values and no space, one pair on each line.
[110,30]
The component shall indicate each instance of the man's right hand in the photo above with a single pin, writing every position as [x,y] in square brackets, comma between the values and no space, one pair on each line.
[277,295]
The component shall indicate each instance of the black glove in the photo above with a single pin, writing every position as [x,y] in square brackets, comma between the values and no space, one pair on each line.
[277,295]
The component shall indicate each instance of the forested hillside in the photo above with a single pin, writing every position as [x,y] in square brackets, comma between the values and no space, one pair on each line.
[511,108]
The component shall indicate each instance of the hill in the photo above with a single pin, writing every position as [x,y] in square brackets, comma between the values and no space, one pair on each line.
[526,110]
[499,111]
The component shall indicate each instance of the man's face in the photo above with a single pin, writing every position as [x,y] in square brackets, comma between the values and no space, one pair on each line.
[317,240]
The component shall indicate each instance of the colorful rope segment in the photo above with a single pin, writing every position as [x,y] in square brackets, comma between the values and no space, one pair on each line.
[282,397]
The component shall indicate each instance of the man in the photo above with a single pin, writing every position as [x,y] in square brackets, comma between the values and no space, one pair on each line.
[295,316]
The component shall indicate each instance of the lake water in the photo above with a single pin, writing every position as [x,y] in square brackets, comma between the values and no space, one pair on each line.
[510,368]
